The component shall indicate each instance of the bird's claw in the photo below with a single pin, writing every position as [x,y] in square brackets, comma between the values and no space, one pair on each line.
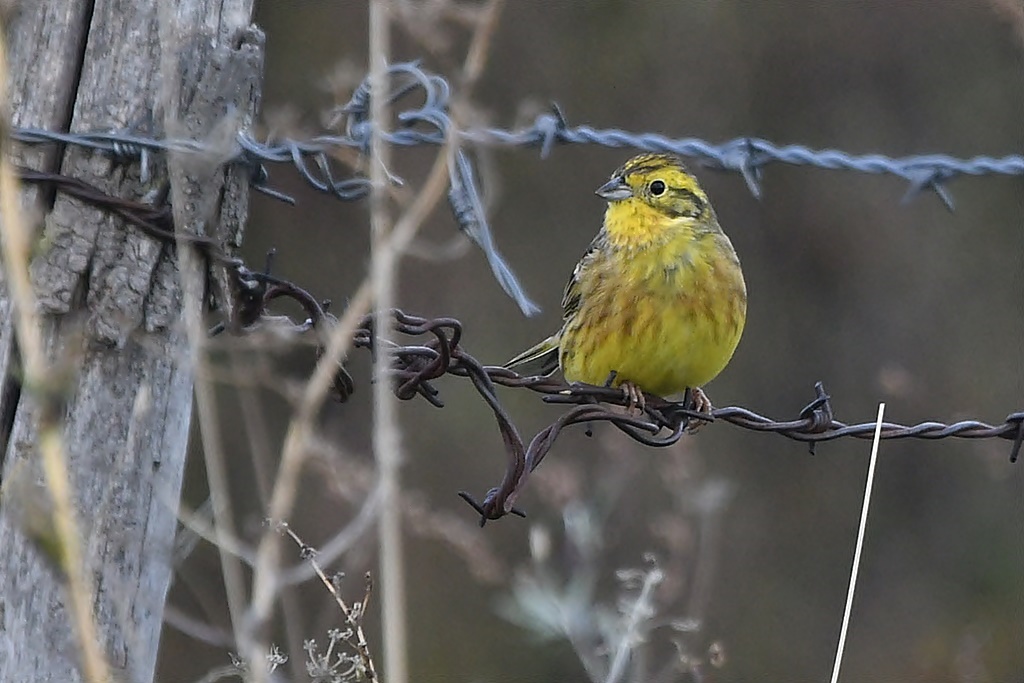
[701,404]
[634,395]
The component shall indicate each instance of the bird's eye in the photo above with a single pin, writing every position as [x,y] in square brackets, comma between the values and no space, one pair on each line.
[657,188]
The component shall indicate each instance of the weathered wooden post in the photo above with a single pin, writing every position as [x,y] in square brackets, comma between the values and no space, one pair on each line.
[111,300]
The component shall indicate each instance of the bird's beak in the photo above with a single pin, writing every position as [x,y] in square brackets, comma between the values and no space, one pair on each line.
[615,190]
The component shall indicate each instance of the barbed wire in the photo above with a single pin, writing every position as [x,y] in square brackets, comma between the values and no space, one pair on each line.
[416,366]
[429,124]
[426,121]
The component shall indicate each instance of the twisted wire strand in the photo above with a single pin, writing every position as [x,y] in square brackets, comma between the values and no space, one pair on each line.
[428,123]
[746,154]
[425,121]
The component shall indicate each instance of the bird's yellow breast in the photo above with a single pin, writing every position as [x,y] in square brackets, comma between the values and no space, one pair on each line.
[664,318]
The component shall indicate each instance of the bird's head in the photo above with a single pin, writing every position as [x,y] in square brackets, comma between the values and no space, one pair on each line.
[659,182]
[652,198]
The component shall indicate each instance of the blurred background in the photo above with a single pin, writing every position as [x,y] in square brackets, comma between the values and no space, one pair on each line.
[882,300]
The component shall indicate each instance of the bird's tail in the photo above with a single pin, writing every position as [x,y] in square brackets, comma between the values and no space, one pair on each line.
[546,352]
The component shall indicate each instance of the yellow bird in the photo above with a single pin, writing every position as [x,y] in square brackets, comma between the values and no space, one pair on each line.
[658,302]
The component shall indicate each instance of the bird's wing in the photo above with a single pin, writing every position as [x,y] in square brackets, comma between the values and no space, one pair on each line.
[571,295]
[547,350]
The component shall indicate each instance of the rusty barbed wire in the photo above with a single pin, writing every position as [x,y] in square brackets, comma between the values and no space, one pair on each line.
[416,367]
[152,217]
[662,423]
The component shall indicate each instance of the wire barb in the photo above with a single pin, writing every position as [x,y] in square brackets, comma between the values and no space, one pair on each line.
[469,213]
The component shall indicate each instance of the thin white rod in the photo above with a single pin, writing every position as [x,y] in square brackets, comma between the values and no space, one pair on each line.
[860,543]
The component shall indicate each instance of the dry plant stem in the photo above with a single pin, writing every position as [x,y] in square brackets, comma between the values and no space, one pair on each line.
[282,500]
[386,434]
[860,543]
[257,435]
[340,542]
[37,375]
[299,432]
[219,674]
[265,579]
[354,621]
[209,430]
[437,179]
[209,532]
[198,629]
[479,48]
[258,439]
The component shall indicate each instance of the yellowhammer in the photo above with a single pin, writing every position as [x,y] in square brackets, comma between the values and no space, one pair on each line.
[658,302]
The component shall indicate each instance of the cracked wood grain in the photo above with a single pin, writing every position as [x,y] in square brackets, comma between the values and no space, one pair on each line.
[112,303]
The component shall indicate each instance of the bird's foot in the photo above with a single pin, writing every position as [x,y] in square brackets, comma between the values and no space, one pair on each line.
[701,404]
[635,396]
